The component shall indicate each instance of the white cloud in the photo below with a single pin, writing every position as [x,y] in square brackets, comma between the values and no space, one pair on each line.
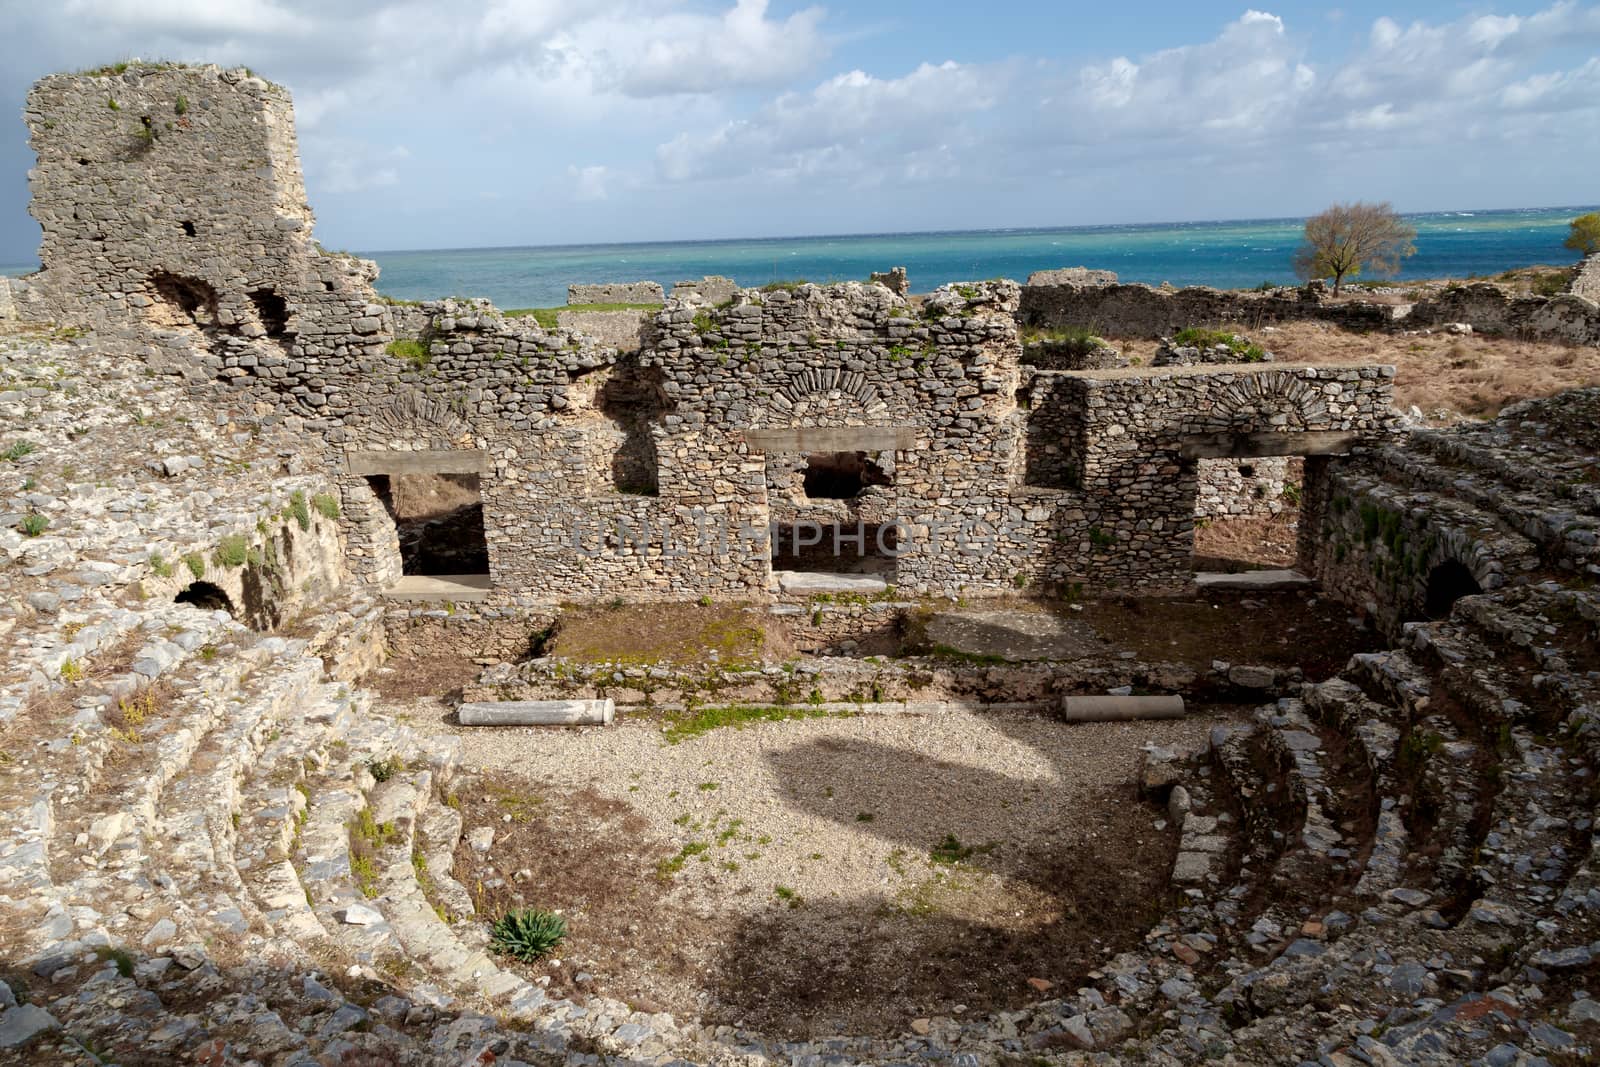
[351,167]
[853,124]
[697,54]
[589,183]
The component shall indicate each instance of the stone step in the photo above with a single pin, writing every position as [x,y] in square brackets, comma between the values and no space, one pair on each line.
[1527,511]
[63,775]
[1514,460]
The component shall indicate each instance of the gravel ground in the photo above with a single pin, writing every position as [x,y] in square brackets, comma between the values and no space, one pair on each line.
[842,809]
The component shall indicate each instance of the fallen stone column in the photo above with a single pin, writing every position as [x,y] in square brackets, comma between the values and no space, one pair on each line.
[1118,708]
[538,713]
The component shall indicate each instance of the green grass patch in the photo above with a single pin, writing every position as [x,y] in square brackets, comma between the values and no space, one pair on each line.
[33,525]
[1200,337]
[674,863]
[413,351]
[17,450]
[196,564]
[704,720]
[300,508]
[234,551]
[950,851]
[546,317]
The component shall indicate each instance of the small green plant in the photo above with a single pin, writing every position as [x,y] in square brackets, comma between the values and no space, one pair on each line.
[17,450]
[33,525]
[385,769]
[159,564]
[121,957]
[1200,337]
[412,351]
[951,851]
[111,103]
[365,872]
[528,934]
[234,551]
[196,564]
[1100,538]
[300,508]
[326,505]
[674,863]
[788,895]
[181,105]
[71,671]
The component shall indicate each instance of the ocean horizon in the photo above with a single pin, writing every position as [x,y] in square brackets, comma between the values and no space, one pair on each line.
[1227,254]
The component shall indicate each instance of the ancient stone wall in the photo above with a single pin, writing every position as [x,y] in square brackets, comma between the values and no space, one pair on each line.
[712,289]
[1143,311]
[1233,488]
[1586,283]
[616,293]
[174,212]
[1487,309]
[8,304]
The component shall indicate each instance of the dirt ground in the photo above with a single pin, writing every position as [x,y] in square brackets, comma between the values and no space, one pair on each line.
[676,633]
[1244,544]
[826,875]
[1445,375]
[1282,629]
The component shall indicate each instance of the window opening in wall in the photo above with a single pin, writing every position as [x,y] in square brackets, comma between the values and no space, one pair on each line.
[186,299]
[1447,583]
[439,519]
[272,310]
[633,400]
[841,475]
[188,228]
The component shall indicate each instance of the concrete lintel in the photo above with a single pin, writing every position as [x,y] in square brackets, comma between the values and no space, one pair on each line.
[1269,443]
[458,588]
[446,461]
[832,438]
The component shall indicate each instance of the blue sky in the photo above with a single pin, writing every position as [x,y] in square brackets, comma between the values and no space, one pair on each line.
[429,124]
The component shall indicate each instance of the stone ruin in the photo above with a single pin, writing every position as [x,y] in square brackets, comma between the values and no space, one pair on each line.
[1396,864]
[174,215]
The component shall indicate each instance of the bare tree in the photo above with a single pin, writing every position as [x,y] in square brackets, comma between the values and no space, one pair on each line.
[1349,238]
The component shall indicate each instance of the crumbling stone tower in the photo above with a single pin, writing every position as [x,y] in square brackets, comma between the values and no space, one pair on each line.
[172,201]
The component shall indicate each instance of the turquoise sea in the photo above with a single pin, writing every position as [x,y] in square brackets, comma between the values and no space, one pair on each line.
[1234,254]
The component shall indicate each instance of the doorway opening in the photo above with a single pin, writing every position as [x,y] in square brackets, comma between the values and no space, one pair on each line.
[1447,583]
[439,519]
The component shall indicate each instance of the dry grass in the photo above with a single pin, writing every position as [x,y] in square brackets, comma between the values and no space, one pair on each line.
[1445,375]
[1242,544]
[675,633]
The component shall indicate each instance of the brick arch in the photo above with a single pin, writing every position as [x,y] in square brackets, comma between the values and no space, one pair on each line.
[1272,401]
[412,417]
[828,393]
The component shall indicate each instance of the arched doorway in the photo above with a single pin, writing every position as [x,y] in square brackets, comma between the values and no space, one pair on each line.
[1447,583]
[205,595]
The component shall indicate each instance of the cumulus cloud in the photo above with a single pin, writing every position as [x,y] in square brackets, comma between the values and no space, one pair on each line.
[589,183]
[1254,92]
[340,166]
[853,122]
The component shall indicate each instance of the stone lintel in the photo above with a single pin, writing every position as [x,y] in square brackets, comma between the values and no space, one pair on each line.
[832,439]
[1270,443]
[447,461]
